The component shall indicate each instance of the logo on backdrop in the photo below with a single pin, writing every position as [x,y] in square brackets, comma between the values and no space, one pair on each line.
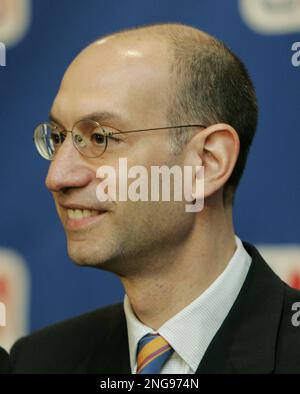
[271,16]
[15,16]
[14,291]
[285,262]
[2,315]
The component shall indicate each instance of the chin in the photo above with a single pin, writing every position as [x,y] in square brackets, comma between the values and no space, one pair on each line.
[87,254]
[100,258]
[81,253]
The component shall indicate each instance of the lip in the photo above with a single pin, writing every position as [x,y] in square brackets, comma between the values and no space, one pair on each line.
[76,224]
[79,224]
[81,207]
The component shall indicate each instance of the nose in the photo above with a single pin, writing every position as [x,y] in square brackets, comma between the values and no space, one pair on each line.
[68,169]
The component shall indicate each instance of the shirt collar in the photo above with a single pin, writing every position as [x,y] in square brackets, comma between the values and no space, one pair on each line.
[191,330]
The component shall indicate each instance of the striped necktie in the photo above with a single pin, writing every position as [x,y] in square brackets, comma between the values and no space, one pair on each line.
[153,351]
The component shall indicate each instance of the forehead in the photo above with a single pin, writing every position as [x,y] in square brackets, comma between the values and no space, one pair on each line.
[127,76]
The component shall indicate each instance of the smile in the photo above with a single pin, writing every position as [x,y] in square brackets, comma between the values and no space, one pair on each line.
[78,214]
[81,218]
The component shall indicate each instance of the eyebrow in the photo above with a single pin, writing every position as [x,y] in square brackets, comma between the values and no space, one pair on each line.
[100,117]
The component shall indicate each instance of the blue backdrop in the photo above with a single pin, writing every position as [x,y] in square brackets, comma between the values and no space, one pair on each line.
[266,209]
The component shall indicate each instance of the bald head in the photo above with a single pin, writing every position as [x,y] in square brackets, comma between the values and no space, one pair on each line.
[148,52]
[169,74]
[163,32]
[207,84]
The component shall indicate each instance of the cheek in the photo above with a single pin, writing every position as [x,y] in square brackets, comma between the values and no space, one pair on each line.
[154,220]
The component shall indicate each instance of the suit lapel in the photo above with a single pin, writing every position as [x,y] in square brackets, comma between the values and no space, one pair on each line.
[246,341]
[111,355]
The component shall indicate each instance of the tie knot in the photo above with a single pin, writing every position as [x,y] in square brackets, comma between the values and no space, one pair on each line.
[153,351]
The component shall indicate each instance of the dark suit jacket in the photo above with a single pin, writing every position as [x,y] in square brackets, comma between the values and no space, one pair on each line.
[257,335]
[4,362]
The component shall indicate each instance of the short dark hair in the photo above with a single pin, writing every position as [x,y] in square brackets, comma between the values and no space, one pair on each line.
[212,85]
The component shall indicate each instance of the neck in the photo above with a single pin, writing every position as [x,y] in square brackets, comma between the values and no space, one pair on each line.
[184,273]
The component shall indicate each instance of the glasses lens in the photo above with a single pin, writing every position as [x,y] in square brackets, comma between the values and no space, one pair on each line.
[47,140]
[89,138]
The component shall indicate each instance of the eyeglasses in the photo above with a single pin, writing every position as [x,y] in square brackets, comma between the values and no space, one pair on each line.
[89,137]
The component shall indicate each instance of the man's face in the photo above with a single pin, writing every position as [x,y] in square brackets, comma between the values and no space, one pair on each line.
[129,80]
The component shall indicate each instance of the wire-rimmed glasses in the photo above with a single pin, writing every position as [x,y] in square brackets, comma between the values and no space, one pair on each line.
[89,137]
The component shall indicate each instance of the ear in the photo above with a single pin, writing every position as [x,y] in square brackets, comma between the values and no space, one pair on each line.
[216,148]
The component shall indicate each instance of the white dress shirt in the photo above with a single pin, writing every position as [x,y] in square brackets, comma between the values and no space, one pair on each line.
[192,329]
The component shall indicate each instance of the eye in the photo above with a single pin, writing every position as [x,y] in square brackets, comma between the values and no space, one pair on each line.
[55,138]
[62,137]
[98,139]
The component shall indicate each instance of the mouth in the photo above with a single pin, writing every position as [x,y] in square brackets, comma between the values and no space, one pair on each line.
[80,218]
